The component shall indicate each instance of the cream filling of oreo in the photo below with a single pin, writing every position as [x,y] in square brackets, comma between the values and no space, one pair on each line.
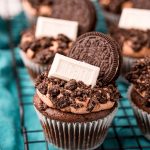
[83,110]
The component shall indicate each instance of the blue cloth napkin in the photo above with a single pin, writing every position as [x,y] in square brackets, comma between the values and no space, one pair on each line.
[10,130]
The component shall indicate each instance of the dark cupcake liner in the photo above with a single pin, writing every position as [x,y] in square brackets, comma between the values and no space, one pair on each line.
[34,69]
[142,117]
[67,135]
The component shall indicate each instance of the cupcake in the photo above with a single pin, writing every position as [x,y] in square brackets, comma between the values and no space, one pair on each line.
[38,53]
[113,8]
[139,94]
[135,45]
[75,115]
[64,9]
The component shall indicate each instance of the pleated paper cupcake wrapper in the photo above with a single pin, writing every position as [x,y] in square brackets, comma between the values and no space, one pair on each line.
[73,136]
[111,18]
[143,118]
[35,69]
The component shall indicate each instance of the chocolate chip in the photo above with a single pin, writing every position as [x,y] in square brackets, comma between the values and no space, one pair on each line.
[54,91]
[63,38]
[44,56]
[79,92]
[46,42]
[62,83]
[71,85]
[42,88]
[63,45]
[91,105]
[63,102]
[34,46]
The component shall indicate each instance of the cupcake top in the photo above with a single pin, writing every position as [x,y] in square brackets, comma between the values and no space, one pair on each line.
[75,96]
[42,50]
[135,43]
[116,6]
[140,78]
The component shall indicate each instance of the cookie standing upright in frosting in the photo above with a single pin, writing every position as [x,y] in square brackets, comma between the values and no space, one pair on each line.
[74,10]
[99,47]
[139,93]
[78,107]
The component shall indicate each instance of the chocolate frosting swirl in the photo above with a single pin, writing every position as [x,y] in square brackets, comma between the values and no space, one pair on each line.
[77,95]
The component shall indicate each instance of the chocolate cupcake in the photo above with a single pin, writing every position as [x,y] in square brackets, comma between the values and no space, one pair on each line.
[135,45]
[139,94]
[74,10]
[38,53]
[113,8]
[75,115]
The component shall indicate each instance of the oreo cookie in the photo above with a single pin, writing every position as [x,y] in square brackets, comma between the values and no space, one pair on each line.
[82,11]
[99,50]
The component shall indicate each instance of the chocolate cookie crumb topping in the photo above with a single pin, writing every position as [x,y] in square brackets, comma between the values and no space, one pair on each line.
[72,93]
[139,39]
[42,50]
